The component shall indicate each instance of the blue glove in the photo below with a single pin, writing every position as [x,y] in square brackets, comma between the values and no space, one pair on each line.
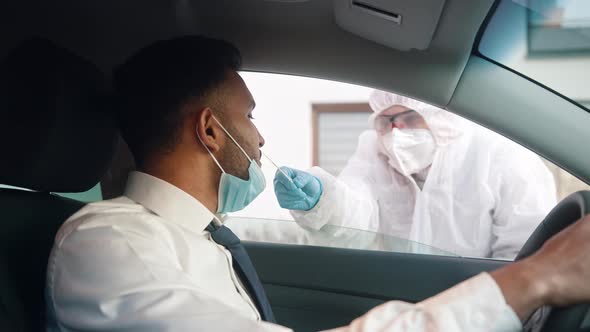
[302,193]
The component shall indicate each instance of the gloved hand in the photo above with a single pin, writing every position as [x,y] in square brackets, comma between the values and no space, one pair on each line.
[301,194]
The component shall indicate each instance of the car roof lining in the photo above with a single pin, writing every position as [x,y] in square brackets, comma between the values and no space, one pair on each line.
[269,34]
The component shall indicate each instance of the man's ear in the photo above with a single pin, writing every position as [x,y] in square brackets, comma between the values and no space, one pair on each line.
[208,130]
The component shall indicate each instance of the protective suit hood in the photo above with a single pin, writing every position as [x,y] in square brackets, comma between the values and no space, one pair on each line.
[445,126]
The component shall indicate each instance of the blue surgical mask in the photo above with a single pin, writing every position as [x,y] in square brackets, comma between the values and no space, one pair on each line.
[234,193]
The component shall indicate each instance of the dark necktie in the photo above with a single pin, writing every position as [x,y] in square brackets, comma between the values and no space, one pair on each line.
[243,267]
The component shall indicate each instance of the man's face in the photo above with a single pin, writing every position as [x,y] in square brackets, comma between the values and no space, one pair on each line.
[237,118]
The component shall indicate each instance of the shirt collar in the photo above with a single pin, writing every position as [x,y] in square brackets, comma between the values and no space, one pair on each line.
[168,201]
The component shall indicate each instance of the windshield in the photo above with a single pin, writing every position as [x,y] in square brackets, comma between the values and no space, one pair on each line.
[545,40]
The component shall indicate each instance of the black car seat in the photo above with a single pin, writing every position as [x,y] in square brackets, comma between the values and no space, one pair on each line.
[56,135]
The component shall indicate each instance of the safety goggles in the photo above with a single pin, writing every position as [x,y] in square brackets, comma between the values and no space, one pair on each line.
[409,119]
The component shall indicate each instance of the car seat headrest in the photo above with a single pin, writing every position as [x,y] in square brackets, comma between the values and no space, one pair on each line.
[57,132]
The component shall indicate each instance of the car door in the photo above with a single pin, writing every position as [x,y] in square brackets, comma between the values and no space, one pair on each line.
[318,280]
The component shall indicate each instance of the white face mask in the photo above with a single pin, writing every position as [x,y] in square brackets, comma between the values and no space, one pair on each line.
[413,148]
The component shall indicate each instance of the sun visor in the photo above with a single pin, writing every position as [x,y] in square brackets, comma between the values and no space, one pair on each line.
[399,24]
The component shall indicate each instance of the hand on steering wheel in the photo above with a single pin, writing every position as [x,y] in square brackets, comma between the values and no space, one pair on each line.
[564,261]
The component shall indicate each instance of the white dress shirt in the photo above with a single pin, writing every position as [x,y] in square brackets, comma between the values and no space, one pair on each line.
[144,262]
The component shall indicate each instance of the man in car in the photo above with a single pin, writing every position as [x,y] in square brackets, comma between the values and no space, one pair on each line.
[159,259]
[427,175]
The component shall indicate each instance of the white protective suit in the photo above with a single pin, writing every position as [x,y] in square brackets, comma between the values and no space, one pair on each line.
[482,197]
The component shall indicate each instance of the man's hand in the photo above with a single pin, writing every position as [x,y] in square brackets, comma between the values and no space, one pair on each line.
[301,191]
[556,275]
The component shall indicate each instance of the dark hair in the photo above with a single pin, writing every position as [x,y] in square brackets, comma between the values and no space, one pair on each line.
[153,85]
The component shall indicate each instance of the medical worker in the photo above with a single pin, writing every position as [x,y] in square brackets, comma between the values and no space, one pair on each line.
[429,176]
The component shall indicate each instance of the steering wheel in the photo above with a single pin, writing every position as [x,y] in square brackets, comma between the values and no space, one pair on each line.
[568,211]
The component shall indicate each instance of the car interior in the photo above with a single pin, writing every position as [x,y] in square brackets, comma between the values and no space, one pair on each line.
[59,134]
